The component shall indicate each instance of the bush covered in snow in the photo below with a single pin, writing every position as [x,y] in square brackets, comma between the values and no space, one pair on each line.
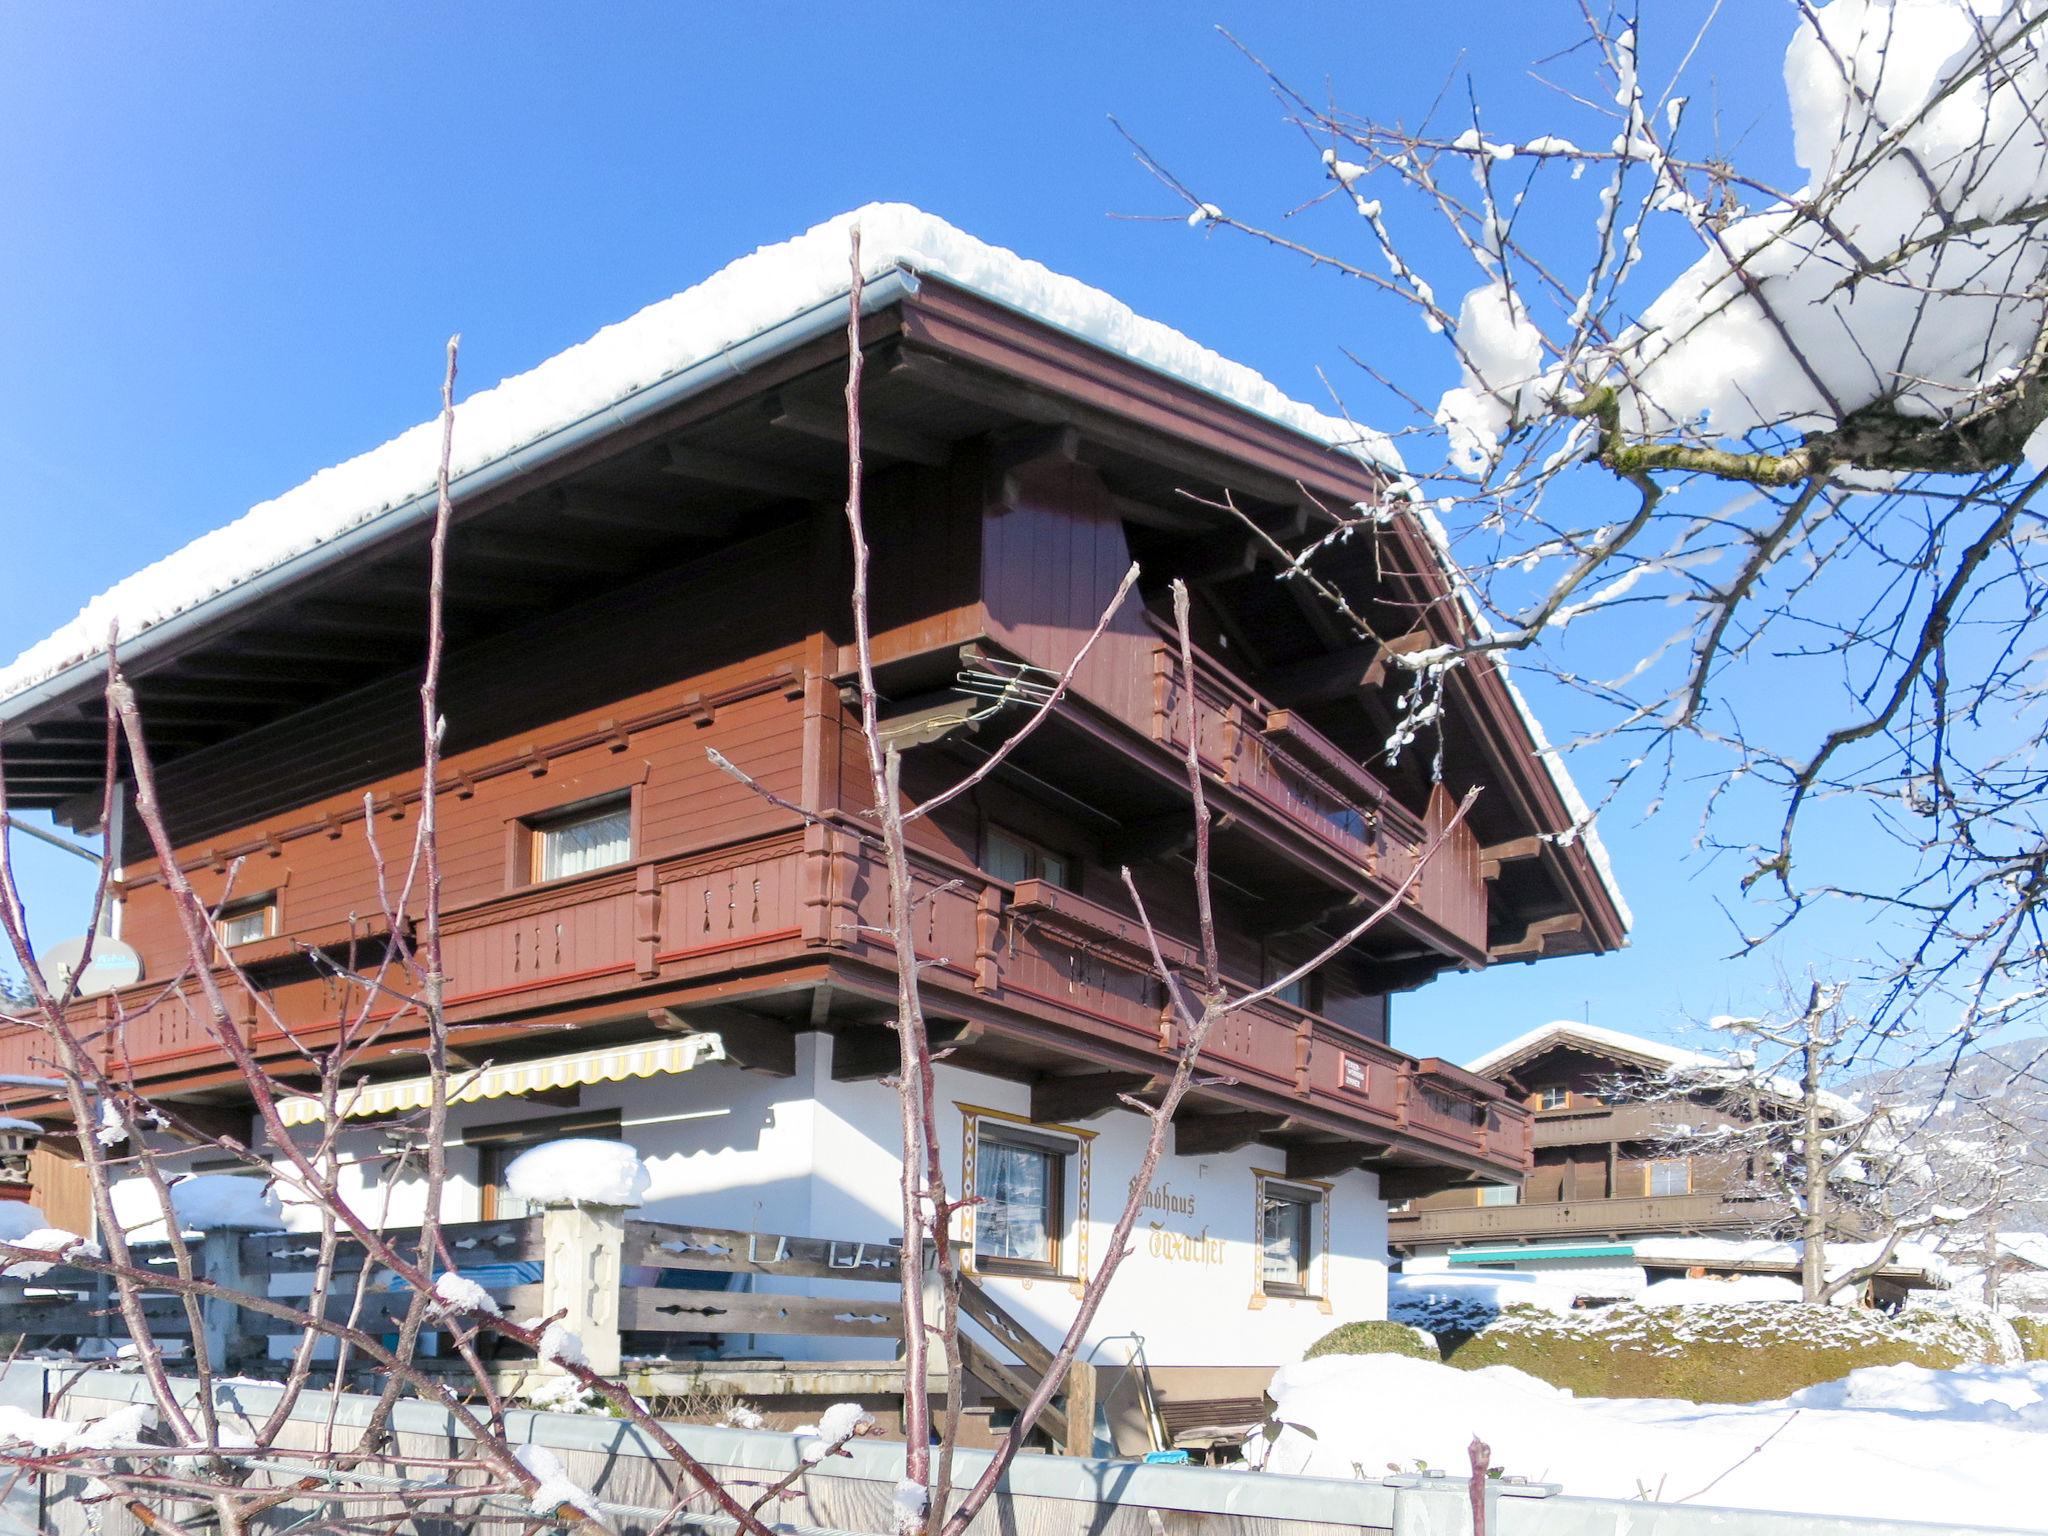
[1376,1339]
[2033,1332]
[1732,1353]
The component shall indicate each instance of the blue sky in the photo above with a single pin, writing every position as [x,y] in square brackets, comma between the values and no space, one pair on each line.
[238,236]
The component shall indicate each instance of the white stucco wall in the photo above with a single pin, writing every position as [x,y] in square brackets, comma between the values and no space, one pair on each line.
[809,1156]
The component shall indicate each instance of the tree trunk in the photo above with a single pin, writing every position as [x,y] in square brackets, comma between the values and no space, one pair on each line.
[1813,1249]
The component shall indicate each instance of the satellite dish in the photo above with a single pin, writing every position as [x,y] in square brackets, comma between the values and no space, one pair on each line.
[113,965]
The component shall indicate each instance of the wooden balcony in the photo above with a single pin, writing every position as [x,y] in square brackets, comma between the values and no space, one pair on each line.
[1284,765]
[1274,773]
[1675,1214]
[1030,965]
[1593,1124]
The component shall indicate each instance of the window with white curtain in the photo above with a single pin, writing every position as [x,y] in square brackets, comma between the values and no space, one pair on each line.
[1287,1224]
[1020,1180]
[248,922]
[591,837]
[1671,1176]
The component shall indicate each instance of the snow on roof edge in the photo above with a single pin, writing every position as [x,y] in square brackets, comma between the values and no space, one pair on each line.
[1674,1058]
[1635,1045]
[742,300]
[739,302]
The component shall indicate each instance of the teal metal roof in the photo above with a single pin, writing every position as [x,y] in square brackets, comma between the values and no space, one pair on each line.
[1577,1251]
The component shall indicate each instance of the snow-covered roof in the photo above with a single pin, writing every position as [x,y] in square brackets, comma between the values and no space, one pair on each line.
[1657,1055]
[743,301]
[1601,1042]
[2028,1247]
[1908,1258]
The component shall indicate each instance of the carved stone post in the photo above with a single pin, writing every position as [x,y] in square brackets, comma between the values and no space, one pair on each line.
[580,1249]
[229,1342]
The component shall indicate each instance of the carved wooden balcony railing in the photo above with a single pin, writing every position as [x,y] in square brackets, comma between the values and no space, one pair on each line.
[723,920]
[1282,763]
[1613,1218]
[1626,1122]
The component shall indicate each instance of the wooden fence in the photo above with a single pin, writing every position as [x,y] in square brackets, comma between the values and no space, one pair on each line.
[627,1288]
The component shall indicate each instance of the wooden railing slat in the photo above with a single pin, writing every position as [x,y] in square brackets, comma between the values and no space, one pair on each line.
[654,1310]
[665,1245]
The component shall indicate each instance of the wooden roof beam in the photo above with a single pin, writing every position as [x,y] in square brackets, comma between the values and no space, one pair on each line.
[552,553]
[923,370]
[825,421]
[1341,674]
[1494,855]
[1058,1100]
[753,1042]
[1544,936]
[786,481]
[1327,1159]
[1200,1135]
[609,509]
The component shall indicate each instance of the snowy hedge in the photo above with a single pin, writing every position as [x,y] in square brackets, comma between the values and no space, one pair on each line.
[1376,1339]
[1732,1353]
[2033,1332]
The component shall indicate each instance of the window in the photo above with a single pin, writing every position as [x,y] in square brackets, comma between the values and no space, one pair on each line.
[1500,1194]
[1011,858]
[1299,993]
[1286,1238]
[1021,1179]
[1553,1098]
[578,841]
[1671,1176]
[247,922]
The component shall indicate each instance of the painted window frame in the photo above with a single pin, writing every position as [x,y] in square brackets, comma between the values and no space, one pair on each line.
[1076,1145]
[1056,1153]
[1650,1169]
[530,830]
[267,904]
[1553,1097]
[1314,1285]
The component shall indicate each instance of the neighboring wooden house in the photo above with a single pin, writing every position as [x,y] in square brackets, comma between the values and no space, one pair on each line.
[1613,1201]
[649,560]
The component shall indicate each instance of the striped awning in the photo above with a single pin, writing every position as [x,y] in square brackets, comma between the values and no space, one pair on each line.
[653,1058]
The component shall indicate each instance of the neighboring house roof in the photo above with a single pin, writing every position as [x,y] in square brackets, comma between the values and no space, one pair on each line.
[1909,1260]
[1632,1050]
[1628,1051]
[2030,1248]
[749,301]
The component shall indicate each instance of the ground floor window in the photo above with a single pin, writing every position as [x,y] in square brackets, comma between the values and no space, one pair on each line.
[1030,1185]
[1019,1185]
[1294,1237]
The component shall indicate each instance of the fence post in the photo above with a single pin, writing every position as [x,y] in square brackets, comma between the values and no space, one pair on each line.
[1080,1409]
[581,1247]
[219,1261]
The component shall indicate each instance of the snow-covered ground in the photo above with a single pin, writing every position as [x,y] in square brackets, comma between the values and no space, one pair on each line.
[1896,1441]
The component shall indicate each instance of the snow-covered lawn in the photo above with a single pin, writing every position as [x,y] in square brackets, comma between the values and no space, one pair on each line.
[1897,1441]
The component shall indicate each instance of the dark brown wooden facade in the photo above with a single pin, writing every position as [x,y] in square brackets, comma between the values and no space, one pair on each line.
[678,587]
[1605,1165]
